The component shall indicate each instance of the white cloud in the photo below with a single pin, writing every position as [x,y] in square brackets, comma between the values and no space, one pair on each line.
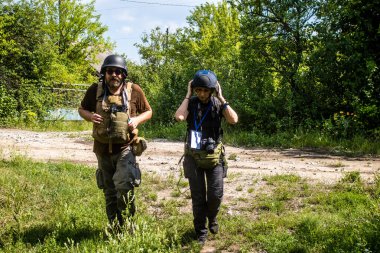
[126,30]
[126,18]
[127,21]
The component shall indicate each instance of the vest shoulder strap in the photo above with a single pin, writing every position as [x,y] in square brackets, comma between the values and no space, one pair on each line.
[129,94]
[99,91]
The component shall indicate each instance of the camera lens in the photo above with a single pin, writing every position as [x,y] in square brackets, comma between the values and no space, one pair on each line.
[210,146]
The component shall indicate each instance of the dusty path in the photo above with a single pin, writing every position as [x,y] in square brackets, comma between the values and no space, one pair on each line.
[163,156]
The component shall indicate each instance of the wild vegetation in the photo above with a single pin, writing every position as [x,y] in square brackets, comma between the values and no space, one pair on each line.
[300,74]
[306,68]
[56,207]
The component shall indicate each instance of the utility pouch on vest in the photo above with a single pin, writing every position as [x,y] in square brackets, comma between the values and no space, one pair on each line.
[205,160]
[118,129]
[100,131]
[139,146]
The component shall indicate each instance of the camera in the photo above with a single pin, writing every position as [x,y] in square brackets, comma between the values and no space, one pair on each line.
[117,108]
[208,145]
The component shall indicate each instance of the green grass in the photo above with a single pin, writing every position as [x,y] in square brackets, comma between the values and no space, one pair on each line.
[56,207]
[54,125]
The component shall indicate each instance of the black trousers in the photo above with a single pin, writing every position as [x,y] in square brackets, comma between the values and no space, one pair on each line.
[206,187]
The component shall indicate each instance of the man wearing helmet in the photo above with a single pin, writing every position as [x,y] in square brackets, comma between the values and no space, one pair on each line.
[204,161]
[116,108]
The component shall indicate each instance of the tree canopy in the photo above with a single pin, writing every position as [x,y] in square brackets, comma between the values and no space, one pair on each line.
[283,65]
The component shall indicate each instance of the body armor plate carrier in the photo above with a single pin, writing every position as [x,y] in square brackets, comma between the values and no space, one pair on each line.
[115,111]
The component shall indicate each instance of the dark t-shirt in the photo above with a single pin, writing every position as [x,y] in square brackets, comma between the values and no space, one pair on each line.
[139,104]
[211,114]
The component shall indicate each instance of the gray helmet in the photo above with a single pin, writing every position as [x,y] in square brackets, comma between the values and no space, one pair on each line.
[114,61]
[205,79]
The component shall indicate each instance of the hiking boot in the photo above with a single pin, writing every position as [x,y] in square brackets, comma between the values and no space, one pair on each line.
[213,227]
[202,239]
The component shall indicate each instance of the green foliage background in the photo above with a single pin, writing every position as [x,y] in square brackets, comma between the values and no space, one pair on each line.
[308,66]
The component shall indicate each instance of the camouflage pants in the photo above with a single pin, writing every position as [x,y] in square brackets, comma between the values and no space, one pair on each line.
[115,176]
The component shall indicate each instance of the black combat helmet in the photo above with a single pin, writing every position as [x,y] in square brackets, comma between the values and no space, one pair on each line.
[205,79]
[114,61]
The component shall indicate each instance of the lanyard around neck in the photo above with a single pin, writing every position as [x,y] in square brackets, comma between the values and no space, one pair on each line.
[196,125]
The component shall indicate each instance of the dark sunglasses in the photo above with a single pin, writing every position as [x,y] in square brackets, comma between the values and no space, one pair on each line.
[116,71]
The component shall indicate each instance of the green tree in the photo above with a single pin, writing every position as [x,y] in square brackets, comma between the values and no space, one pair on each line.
[275,46]
[345,62]
[22,42]
[37,49]
[161,73]
[78,36]
[210,41]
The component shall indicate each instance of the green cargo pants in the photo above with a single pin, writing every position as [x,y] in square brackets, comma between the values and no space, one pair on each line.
[117,175]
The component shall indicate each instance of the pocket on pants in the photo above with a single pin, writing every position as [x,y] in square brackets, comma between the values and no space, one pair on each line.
[136,173]
[100,179]
[225,168]
[189,166]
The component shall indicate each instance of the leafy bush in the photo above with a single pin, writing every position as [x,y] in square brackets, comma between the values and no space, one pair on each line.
[8,104]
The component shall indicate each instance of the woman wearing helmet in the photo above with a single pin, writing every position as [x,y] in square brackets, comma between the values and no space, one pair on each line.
[204,161]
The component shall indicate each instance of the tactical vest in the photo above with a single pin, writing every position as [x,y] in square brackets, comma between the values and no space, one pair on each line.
[115,111]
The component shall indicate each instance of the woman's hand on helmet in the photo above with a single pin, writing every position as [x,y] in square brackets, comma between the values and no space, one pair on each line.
[189,89]
[218,91]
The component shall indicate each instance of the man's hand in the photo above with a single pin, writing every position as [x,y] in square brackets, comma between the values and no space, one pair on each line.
[96,118]
[132,124]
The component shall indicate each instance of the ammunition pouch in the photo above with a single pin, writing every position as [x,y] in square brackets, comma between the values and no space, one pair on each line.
[139,146]
[113,129]
[118,131]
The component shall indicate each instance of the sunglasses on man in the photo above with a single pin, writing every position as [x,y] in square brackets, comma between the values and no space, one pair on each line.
[116,71]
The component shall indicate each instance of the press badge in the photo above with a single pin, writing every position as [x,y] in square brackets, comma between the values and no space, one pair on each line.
[195,139]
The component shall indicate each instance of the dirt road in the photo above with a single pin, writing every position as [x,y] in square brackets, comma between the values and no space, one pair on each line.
[163,156]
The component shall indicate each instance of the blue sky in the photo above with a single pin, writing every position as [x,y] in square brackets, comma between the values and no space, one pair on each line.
[128,20]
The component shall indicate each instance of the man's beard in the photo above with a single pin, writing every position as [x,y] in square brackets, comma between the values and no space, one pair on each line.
[114,83]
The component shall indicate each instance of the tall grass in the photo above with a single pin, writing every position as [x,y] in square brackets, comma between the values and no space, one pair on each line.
[56,207]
